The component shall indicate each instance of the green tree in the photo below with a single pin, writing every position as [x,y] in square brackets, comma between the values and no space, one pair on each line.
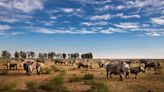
[5,54]
[17,55]
[23,54]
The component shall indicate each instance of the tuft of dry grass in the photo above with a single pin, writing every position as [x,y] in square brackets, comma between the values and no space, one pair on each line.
[7,87]
[54,85]
[32,86]
[75,79]
[3,72]
[46,71]
[55,69]
[63,72]
[88,76]
[137,88]
[98,86]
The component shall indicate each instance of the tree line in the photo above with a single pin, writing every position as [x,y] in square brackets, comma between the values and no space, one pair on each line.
[50,55]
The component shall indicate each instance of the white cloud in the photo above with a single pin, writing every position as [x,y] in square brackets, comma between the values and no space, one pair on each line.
[127,16]
[70,10]
[2,33]
[2,4]
[105,8]
[149,29]
[101,17]
[158,20]
[145,25]
[25,6]
[100,23]
[4,27]
[162,11]
[53,17]
[145,6]
[127,25]
[8,34]
[112,30]
[87,23]
[47,23]
[120,7]
[82,32]
[143,3]
[95,30]
[56,31]
[43,30]
[17,33]
[8,20]
[28,22]
[153,34]
[66,22]
[110,7]
[93,1]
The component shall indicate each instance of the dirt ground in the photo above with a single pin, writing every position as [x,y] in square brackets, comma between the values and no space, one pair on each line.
[150,80]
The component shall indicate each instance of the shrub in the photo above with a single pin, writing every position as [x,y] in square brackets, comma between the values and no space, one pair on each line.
[3,72]
[97,86]
[88,76]
[54,85]
[75,79]
[55,69]
[32,86]
[7,87]
[46,71]
[62,72]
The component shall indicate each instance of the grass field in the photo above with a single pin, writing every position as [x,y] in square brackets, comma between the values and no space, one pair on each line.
[73,79]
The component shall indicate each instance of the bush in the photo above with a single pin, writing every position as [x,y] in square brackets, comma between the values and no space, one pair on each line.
[62,72]
[55,69]
[32,86]
[88,76]
[55,85]
[3,72]
[98,87]
[75,79]
[7,87]
[46,71]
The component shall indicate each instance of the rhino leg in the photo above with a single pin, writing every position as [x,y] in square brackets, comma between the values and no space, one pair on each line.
[29,73]
[127,75]
[107,73]
[135,76]
[121,77]
[155,68]
[110,75]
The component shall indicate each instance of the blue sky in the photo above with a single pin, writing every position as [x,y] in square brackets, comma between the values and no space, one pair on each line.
[108,28]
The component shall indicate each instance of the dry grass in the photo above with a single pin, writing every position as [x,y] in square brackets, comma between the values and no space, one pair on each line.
[151,80]
[32,86]
[3,72]
[7,87]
